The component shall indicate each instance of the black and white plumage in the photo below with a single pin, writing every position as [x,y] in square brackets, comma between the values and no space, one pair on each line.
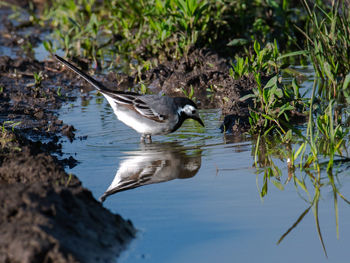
[147,114]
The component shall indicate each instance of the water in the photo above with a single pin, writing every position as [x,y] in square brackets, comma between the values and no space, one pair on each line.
[214,213]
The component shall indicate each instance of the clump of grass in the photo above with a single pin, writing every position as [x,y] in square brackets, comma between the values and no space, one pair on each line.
[273,104]
[38,78]
[190,93]
[328,42]
[7,137]
[273,107]
[306,160]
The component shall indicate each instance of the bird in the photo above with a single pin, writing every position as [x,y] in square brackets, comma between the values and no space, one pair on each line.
[149,115]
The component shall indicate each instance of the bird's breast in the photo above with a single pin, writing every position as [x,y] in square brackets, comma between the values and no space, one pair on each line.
[142,124]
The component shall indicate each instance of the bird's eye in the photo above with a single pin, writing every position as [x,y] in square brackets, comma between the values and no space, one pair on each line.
[194,112]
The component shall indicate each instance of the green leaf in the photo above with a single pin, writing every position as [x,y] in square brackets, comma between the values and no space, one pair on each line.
[284,108]
[272,3]
[279,93]
[301,184]
[328,71]
[271,82]
[248,96]
[346,81]
[238,42]
[299,151]
[272,93]
[266,95]
[264,188]
[295,88]
[292,54]
[256,47]
[268,117]
[47,45]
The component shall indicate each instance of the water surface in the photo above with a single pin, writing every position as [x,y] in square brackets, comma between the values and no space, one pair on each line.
[209,208]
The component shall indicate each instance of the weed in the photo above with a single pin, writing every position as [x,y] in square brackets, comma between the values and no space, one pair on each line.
[190,93]
[38,78]
[49,46]
[328,42]
[7,137]
[273,107]
[59,93]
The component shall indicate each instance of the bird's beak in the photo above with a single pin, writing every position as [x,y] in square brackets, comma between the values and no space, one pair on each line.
[199,120]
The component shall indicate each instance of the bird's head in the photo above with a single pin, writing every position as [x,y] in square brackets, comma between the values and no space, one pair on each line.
[187,109]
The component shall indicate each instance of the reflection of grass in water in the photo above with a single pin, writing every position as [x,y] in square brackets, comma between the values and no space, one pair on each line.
[315,153]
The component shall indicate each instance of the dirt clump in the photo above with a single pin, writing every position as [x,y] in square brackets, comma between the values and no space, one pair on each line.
[45,222]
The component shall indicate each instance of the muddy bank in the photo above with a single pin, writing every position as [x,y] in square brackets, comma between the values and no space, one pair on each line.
[54,219]
[46,215]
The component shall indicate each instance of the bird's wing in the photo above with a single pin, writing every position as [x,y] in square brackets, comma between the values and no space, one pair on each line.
[148,106]
[145,110]
[139,104]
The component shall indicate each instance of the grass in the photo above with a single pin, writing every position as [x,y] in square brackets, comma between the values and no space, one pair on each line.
[328,42]
[7,138]
[152,31]
[273,104]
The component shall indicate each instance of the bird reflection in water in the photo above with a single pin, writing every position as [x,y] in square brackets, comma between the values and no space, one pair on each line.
[154,163]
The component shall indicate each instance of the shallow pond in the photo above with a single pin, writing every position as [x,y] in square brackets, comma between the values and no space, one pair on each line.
[197,197]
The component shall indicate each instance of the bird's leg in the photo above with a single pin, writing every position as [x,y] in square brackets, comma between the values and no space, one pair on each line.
[149,138]
[142,139]
[146,138]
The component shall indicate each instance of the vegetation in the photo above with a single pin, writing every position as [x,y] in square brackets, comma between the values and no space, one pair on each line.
[157,30]
[321,145]
[328,42]
[7,137]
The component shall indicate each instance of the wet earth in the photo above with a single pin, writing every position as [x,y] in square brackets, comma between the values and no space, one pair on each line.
[46,214]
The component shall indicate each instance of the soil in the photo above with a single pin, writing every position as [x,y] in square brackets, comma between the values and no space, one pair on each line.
[46,215]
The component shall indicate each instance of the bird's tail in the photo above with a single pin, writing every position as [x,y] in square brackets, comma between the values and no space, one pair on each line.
[98,85]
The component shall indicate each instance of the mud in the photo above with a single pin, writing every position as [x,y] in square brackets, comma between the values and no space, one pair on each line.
[45,214]
[46,222]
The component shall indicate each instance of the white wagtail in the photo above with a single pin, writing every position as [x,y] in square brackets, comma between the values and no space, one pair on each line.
[147,114]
